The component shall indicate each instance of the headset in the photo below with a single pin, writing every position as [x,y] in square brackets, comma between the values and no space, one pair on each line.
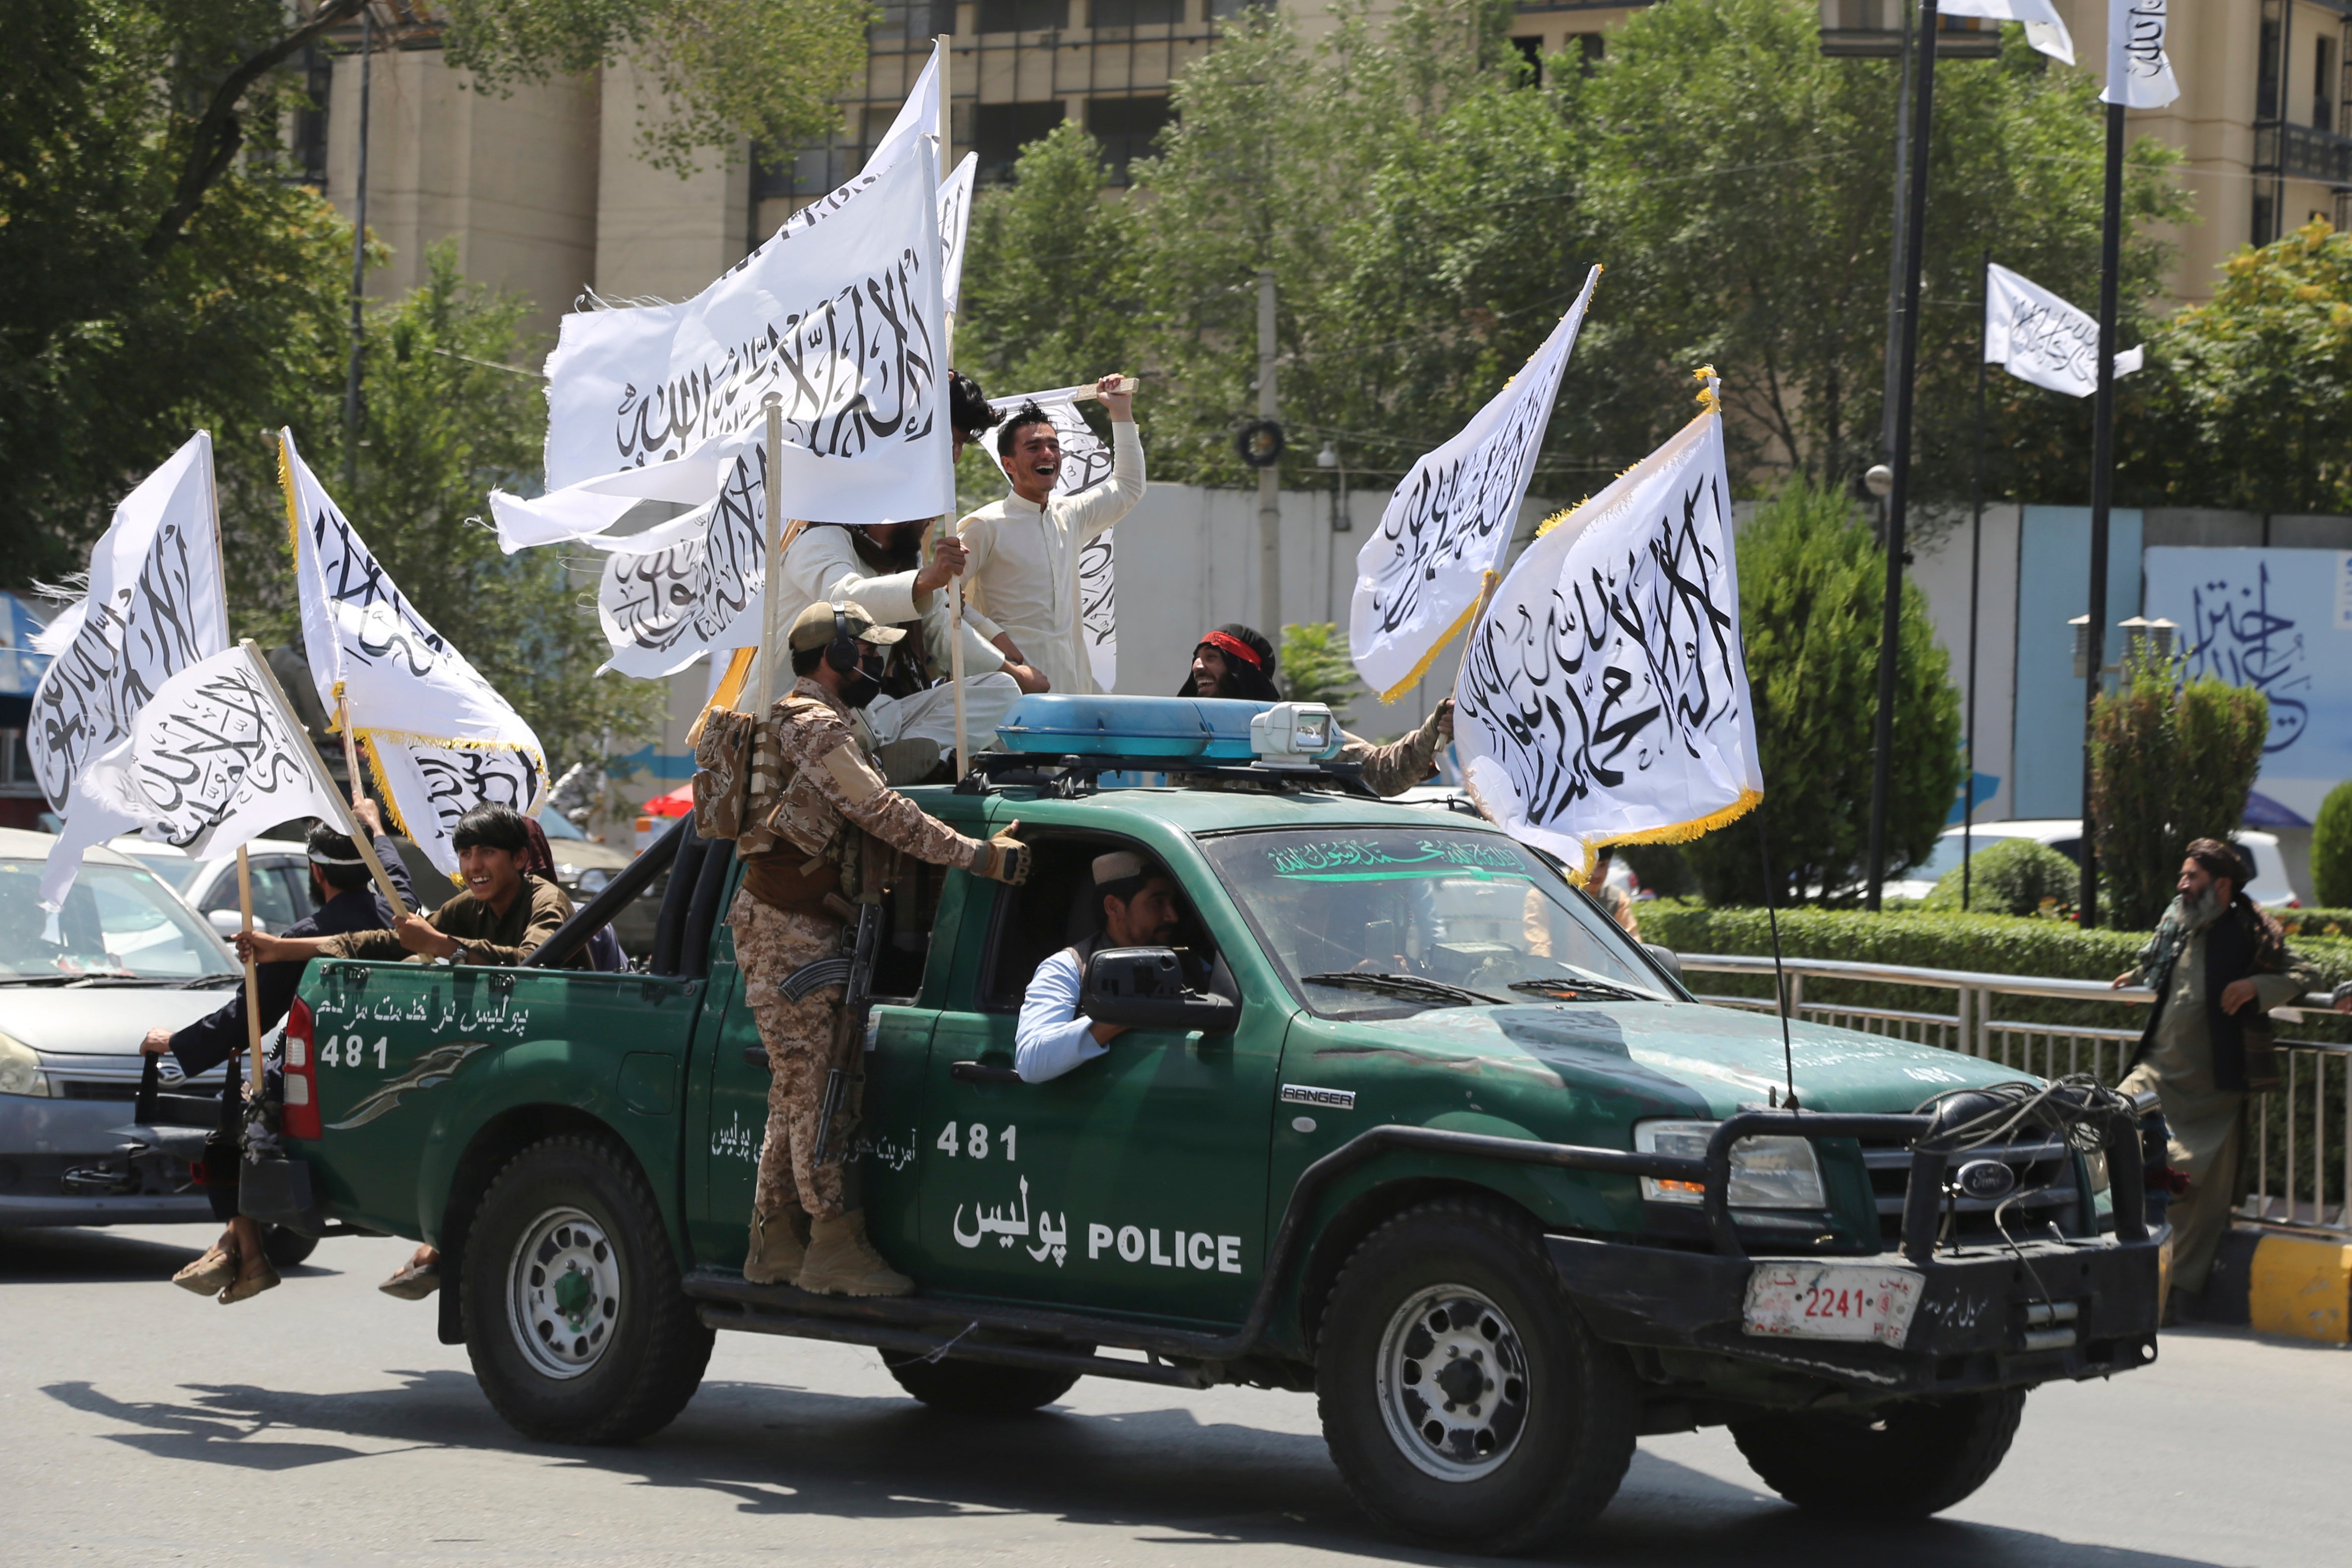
[841,653]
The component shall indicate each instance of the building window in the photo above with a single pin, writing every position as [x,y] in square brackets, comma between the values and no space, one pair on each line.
[1023,16]
[1225,10]
[913,19]
[1531,51]
[1136,14]
[310,138]
[2323,84]
[1001,130]
[2262,235]
[1589,45]
[1125,127]
[2266,66]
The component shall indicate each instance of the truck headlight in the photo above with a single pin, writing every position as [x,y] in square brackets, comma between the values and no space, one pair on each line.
[20,1069]
[1767,1173]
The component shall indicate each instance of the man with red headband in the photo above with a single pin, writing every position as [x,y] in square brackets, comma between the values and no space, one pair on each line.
[1235,662]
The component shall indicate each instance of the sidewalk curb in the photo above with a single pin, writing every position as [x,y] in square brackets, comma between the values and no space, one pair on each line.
[2280,1282]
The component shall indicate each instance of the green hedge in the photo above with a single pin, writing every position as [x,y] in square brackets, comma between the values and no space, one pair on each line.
[1993,944]
[2316,923]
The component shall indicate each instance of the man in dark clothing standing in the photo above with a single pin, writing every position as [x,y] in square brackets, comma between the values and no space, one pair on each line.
[2218,965]
[348,901]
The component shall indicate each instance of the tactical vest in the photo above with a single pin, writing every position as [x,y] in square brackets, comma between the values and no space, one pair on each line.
[799,853]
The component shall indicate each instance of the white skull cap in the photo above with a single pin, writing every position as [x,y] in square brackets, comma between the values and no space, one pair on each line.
[1118,867]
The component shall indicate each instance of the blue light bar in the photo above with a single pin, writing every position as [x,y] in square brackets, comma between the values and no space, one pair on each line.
[1210,728]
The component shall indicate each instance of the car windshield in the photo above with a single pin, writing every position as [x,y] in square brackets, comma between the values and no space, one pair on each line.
[175,871]
[1378,922]
[119,922]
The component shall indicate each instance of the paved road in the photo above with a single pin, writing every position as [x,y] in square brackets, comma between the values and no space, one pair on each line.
[323,1424]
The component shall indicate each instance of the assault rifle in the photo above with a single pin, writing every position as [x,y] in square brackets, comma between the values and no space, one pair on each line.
[842,1077]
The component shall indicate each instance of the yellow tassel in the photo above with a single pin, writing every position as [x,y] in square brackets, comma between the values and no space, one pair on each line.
[383,789]
[1709,401]
[1461,624]
[293,514]
[729,691]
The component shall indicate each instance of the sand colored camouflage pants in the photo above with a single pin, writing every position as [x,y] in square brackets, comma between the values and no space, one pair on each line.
[769,945]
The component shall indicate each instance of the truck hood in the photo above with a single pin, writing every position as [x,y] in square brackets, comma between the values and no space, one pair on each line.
[100,1020]
[1683,1056]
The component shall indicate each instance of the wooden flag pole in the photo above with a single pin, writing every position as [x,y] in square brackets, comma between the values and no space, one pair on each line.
[940,163]
[252,977]
[772,591]
[326,780]
[350,745]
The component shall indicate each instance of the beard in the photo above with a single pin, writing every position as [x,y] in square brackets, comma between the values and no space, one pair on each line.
[2195,913]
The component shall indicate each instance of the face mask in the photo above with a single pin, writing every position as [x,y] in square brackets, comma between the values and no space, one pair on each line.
[864,684]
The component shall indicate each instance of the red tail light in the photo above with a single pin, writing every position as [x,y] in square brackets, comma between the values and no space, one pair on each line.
[300,1118]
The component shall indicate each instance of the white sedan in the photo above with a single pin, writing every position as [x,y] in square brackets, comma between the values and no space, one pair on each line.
[2064,834]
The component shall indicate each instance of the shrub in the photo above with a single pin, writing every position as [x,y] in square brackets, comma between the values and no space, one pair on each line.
[2170,762]
[2331,848]
[1812,583]
[2010,876]
[1660,868]
[1314,667]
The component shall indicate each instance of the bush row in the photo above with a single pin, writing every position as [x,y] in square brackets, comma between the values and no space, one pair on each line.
[1991,944]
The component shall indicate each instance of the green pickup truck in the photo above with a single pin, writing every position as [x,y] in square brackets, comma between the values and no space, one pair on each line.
[1426,1134]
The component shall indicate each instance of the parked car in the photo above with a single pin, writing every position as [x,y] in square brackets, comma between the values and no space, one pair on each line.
[281,881]
[133,957]
[586,867]
[2268,885]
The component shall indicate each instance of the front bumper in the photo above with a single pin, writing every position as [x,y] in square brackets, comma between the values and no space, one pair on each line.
[1989,1318]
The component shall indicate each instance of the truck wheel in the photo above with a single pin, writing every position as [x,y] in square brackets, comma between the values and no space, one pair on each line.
[573,1315]
[1899,1461]
[285,1247]
[978,1388]
[1462,1398]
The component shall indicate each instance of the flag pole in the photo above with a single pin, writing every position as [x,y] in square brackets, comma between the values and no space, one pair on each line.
[947,401]
[2103,476]
[326,780]
[252,977]
[1882,782]
[351,742]
[1976,557]
[773,589]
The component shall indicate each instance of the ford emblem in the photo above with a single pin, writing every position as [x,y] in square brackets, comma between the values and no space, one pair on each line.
[1990,1180]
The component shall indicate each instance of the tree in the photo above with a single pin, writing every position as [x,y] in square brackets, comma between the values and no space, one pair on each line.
[2248,398]
[158,270]
[1812,586]
[1314,667]
[2331,849]
[447,423]
[2170,762]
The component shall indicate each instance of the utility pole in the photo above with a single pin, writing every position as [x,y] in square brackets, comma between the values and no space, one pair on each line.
[1895,252]
[2103,478]
[359,260]
[1269,479]
[1923,109]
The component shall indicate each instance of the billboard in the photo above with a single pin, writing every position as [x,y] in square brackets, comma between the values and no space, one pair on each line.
[2279,621]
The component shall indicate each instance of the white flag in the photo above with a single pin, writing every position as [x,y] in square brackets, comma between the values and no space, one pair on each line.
[2038,337]
[955,227]
[209,763]
[692,585]
[155,607]
[1442,539]
[1603,698]
[1086,461]
[2139,72]
[405,688]
[842,319]
[2044,28]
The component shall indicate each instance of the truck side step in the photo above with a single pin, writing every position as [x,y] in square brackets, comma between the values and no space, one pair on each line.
[964,1345]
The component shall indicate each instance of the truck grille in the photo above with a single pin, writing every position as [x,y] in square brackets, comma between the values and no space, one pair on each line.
[2046,1192]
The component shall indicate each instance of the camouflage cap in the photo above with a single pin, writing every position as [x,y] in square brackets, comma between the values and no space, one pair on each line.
[813,628]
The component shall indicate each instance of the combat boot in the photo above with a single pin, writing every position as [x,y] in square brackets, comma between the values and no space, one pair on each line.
[842,1262]
[777,1250]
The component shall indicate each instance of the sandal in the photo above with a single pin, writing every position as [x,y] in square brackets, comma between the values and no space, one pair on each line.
[413,1281]
[246,1286]
[210,1274]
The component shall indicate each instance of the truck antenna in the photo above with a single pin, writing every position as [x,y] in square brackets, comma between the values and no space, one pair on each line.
[1780,980]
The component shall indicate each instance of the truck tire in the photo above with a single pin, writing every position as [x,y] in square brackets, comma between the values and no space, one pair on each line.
[1461,1398]
[1899,1461]
[574,1319]
[285,1247]
[978,1388]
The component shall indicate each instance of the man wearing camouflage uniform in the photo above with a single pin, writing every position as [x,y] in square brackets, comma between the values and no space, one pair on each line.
[820,829]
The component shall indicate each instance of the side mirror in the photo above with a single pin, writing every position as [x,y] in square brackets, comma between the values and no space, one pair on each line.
[1143,988]
[1664,957]
[228,922]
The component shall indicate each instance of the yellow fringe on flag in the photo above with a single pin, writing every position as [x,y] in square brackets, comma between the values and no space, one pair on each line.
[1710,400]
[293,517]
[1461,624]
[729,691]
[1676,833]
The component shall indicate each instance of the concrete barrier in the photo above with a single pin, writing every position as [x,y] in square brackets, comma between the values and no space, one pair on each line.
[2280,1282]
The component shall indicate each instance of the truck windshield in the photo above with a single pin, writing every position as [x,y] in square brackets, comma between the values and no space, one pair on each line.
[1380,922]
[120,923]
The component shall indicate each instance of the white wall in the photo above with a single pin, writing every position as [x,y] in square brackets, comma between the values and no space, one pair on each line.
[1941,570]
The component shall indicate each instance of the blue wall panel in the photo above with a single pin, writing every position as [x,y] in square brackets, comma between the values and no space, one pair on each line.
[2053,585]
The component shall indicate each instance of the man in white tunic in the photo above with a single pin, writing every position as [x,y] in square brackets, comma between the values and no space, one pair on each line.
[1024,578]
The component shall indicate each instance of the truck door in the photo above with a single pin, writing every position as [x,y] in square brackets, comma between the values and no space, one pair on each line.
[1137,1181]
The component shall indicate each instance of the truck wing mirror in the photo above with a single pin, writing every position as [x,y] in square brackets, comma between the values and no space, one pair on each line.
[1664,957]
[1143,988]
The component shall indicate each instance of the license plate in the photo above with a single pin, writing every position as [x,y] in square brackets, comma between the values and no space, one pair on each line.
[1833,1301]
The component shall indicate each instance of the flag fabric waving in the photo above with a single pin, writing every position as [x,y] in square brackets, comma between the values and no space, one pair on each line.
[692,585]
[1441,538]
[405,688]
[155,607]
[2139,72]
[842,319]
[2038,337]
[1085,463]
[2044,28]
[955,227]
[1604,697]
[210,763]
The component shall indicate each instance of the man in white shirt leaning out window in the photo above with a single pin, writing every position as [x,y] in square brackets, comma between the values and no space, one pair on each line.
[1137,904]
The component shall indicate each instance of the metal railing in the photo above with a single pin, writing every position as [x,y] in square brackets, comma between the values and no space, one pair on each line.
[2302,1155]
